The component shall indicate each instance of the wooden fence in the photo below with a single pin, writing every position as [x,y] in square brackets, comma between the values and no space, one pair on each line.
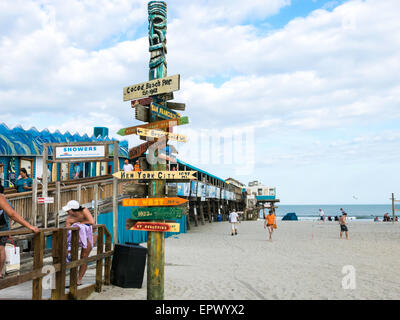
[25,203]
[60,266]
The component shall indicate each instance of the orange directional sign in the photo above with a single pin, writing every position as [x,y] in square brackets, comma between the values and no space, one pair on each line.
[155,226]
[153,202]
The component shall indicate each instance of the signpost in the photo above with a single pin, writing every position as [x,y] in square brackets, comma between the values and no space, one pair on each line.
[157,213]
[159,89]
[154,125]
[159,134]
[176,106]
[155,175]
[152,88]
[142,102]
[153,202]
[163,112]
[142,113]
[139,150]
[152,226]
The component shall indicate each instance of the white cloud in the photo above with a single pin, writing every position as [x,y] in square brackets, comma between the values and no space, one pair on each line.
[321,75]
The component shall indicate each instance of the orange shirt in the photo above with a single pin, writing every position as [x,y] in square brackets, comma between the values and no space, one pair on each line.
[270,218]
[137,168]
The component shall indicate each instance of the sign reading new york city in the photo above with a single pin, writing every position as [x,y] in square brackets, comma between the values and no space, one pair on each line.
[152,88]
[153,202]
[156,175]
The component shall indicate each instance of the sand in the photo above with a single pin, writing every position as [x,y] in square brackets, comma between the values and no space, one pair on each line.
[304,261]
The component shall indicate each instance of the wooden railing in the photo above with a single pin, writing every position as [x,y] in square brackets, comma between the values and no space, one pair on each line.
[60,266]
[25,203]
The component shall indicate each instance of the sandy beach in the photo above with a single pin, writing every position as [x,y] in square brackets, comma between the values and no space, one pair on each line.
[305,261]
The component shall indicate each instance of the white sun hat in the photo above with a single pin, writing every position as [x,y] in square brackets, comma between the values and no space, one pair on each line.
[73,204]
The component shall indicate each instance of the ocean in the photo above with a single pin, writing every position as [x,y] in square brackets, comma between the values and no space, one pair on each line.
[354,211]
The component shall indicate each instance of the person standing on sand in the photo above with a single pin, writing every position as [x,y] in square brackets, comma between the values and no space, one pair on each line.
[343,226]
[269,223]
[322,215]
[234,218]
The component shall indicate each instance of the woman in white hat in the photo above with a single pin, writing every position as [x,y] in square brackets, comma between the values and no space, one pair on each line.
[80,217]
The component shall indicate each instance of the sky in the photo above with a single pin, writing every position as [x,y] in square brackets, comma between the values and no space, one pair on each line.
[308,91]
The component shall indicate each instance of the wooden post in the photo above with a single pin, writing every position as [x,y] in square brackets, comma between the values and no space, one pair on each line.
[209,212]
[38,243]
[34,202]
[201,209]
[393,207]
[157,11]
[73,274]
[59,256]
[195,214]
[44,181]
[96,202]
[99,263]
[79,193]
[188,216]
[115,194]
[107,263]
[58,204]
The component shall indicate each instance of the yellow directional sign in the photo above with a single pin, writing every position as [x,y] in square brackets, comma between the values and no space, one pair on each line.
[155,175]
[152,88]
[153,202]
[159,134]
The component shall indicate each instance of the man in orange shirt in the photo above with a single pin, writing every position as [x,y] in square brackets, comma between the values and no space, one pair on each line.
[270,222]
[137,166]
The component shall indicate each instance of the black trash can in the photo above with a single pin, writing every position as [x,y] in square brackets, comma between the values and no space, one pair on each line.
[128,265]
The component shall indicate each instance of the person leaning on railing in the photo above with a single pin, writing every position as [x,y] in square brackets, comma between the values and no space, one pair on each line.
[7,213]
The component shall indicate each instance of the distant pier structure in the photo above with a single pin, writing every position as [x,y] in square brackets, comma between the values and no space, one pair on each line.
[260,197]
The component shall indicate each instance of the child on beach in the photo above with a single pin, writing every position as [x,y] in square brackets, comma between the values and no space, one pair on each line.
[270,223]
[234,218]
[343,226]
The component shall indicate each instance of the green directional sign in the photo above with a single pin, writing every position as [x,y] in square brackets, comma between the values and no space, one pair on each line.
[156,213]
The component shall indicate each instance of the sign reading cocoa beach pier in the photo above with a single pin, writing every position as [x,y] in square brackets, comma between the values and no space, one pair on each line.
[152,87]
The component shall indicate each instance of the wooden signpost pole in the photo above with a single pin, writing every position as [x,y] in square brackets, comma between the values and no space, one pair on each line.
[158,69]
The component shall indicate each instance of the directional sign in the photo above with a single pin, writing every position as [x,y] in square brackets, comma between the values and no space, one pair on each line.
[157,213]
[152,88]
[170,158]
[155,175]
[176,106]
[142,102]
[152,226]
[142,113]
[155,125]
[42,200]
[159,134]
[163,112]
[153,202]
[139,150]
[134,189]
